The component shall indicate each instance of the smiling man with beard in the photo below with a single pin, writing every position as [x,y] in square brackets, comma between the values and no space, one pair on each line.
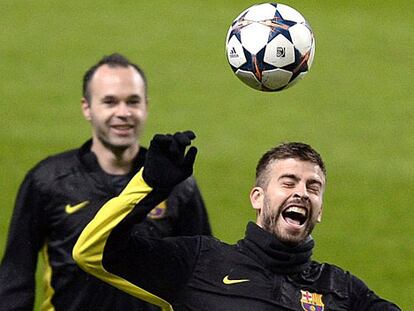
[290,182]
[269,269]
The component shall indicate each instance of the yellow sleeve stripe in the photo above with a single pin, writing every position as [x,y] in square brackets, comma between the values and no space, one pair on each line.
[88,250]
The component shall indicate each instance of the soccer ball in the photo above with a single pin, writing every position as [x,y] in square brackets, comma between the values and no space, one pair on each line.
[270,46]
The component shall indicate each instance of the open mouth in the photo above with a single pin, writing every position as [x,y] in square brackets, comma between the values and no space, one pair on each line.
[295,215]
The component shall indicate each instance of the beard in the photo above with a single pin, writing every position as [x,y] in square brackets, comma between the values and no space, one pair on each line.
[272,221]
[270,217]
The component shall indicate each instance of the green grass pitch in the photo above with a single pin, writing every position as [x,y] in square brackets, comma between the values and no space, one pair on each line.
[355,107]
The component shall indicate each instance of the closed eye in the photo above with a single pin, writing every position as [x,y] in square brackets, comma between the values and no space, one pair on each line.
[288,184]
[288,180]
[315,187]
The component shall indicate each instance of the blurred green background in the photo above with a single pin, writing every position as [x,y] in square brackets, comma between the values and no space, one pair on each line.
[355,107]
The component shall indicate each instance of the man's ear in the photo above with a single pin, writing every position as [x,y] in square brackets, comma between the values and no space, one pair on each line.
[319,219]
[257,198]
[86,109]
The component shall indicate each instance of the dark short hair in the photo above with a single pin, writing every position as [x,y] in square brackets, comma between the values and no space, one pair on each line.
[293,150]
[113,60]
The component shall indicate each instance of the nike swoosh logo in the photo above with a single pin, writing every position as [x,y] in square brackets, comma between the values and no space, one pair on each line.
[69,209]
[227,281]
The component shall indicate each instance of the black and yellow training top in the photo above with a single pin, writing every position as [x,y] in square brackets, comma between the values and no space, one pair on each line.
[204,274]
[57,199]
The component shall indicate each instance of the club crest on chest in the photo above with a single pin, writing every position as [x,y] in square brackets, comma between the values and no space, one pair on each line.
[311,301]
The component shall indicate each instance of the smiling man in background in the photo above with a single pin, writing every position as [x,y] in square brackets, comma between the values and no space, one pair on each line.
[62,193]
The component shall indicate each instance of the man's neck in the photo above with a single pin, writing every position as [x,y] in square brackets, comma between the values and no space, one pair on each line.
[115,161]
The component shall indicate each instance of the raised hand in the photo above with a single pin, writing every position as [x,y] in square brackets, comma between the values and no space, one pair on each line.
[167,163]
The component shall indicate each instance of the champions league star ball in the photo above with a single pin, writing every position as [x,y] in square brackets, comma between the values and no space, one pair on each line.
[270,46]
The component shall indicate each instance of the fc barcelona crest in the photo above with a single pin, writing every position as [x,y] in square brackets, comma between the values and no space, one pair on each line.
[311,301]
[158,211]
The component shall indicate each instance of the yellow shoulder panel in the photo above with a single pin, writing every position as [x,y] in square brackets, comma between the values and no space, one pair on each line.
[89,248]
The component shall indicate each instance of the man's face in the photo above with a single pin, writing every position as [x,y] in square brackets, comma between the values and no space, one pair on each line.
[291,204]
[117,109]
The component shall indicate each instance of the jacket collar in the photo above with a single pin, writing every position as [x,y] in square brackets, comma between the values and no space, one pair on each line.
[89,160]
[273,254]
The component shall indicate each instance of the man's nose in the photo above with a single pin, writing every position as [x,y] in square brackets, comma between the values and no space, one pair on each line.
[123,110]
[301,192]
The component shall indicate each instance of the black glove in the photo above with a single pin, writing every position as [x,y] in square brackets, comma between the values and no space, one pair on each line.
[166,163]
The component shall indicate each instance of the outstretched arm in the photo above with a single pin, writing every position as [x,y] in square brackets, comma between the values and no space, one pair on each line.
[108,249]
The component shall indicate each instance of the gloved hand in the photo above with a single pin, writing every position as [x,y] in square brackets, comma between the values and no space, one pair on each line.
[166,163]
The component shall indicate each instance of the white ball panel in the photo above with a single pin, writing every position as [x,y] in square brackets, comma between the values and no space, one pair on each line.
[279,52]
[254,37]
[249,78]
[276,78]
[301,38]
[297,79]
[235,53]
[290,14]
[261,12]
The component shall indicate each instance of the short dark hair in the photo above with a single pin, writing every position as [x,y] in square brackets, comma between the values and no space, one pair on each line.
[294,150]
[113,60]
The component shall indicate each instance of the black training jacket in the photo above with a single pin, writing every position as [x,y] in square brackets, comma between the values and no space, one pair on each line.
[56,200]
[259,273]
